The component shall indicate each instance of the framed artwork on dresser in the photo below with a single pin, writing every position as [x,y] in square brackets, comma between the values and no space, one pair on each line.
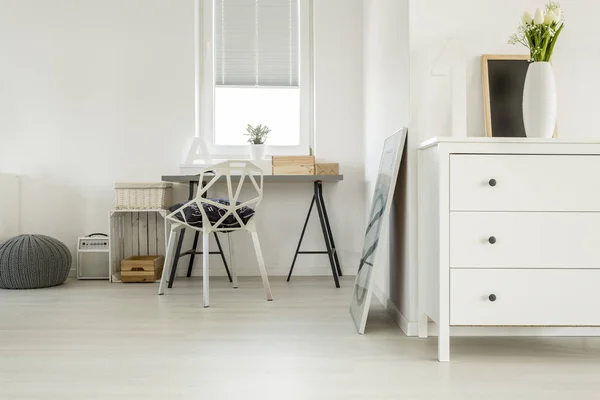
[375,233]
[503,79]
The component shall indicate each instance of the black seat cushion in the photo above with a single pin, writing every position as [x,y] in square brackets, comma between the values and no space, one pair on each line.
[193,216]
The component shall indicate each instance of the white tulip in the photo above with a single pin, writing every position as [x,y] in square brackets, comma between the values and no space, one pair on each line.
[539,17]
[550,17]
[527,18]
[558,13]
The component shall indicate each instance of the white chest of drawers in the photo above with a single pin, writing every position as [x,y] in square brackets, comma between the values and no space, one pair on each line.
[509,234]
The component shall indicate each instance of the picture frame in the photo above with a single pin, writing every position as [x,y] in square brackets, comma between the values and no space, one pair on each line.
[503,79]
[376,232]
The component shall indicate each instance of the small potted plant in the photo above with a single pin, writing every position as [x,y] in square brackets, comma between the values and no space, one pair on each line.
[257,136]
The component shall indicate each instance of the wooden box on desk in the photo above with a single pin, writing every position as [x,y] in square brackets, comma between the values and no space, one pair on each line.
[141,268]
[293,165]
[327,169]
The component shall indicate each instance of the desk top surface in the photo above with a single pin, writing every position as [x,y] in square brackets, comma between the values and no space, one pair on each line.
[267,178]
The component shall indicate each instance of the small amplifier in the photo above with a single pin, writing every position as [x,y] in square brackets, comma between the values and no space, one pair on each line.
[92,256]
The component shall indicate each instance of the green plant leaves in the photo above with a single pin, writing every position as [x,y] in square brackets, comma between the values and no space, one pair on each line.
[257,135]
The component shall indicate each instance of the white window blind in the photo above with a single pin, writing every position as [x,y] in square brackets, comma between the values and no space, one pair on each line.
[256,42]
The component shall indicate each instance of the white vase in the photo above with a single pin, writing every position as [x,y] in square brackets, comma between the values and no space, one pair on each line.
[539,101]
[257,151]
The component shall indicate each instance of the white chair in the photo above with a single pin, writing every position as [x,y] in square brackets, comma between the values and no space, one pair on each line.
[230,218]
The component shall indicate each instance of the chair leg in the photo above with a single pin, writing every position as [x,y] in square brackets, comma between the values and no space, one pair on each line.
[205,269]
[232,260]
[261,266]
[168,261]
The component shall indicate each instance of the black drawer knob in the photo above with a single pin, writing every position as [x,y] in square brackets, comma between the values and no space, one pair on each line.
[492,297]
[492,239]
[492,182]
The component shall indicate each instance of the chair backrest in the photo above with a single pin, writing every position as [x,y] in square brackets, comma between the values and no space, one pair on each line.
[230,171]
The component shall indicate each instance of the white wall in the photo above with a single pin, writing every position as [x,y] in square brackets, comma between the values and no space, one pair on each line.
[386,109]
[98,91]
[9,206]
[92,92]
[338,122]
[486,30]
[482,27]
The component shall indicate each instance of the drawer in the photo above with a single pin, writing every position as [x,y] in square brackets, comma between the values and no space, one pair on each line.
[524,240]
[544,297]
[524,183]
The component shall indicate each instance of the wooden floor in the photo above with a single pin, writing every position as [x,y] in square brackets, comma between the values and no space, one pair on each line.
[93,340]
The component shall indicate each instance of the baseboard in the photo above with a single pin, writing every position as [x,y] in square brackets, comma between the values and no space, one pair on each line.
[396,315]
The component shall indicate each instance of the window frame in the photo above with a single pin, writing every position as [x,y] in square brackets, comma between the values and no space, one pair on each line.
[205,85]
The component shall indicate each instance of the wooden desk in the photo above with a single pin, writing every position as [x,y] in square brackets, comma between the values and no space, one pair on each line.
[192,180]
[316,180]
[267,178]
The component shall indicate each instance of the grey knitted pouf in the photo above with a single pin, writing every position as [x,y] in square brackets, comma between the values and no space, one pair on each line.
[33,261]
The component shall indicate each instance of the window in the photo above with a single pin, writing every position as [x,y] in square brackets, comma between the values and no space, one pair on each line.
[256,70]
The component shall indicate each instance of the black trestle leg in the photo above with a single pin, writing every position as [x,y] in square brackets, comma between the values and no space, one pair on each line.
[191,185]
[329,232]
[326,238]
[312,203]
[176,258]
[194,251]
[193,255]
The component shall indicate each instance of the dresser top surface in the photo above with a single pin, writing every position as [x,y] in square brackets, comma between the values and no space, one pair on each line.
[506,141]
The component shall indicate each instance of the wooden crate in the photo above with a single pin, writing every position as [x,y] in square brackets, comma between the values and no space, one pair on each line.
[293,165]
[327,169]
[141,268]
[135,233]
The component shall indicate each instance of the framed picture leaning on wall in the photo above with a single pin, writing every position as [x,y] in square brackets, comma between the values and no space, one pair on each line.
[376,233]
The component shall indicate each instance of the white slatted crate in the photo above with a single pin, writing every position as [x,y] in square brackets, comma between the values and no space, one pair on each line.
[135,233]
